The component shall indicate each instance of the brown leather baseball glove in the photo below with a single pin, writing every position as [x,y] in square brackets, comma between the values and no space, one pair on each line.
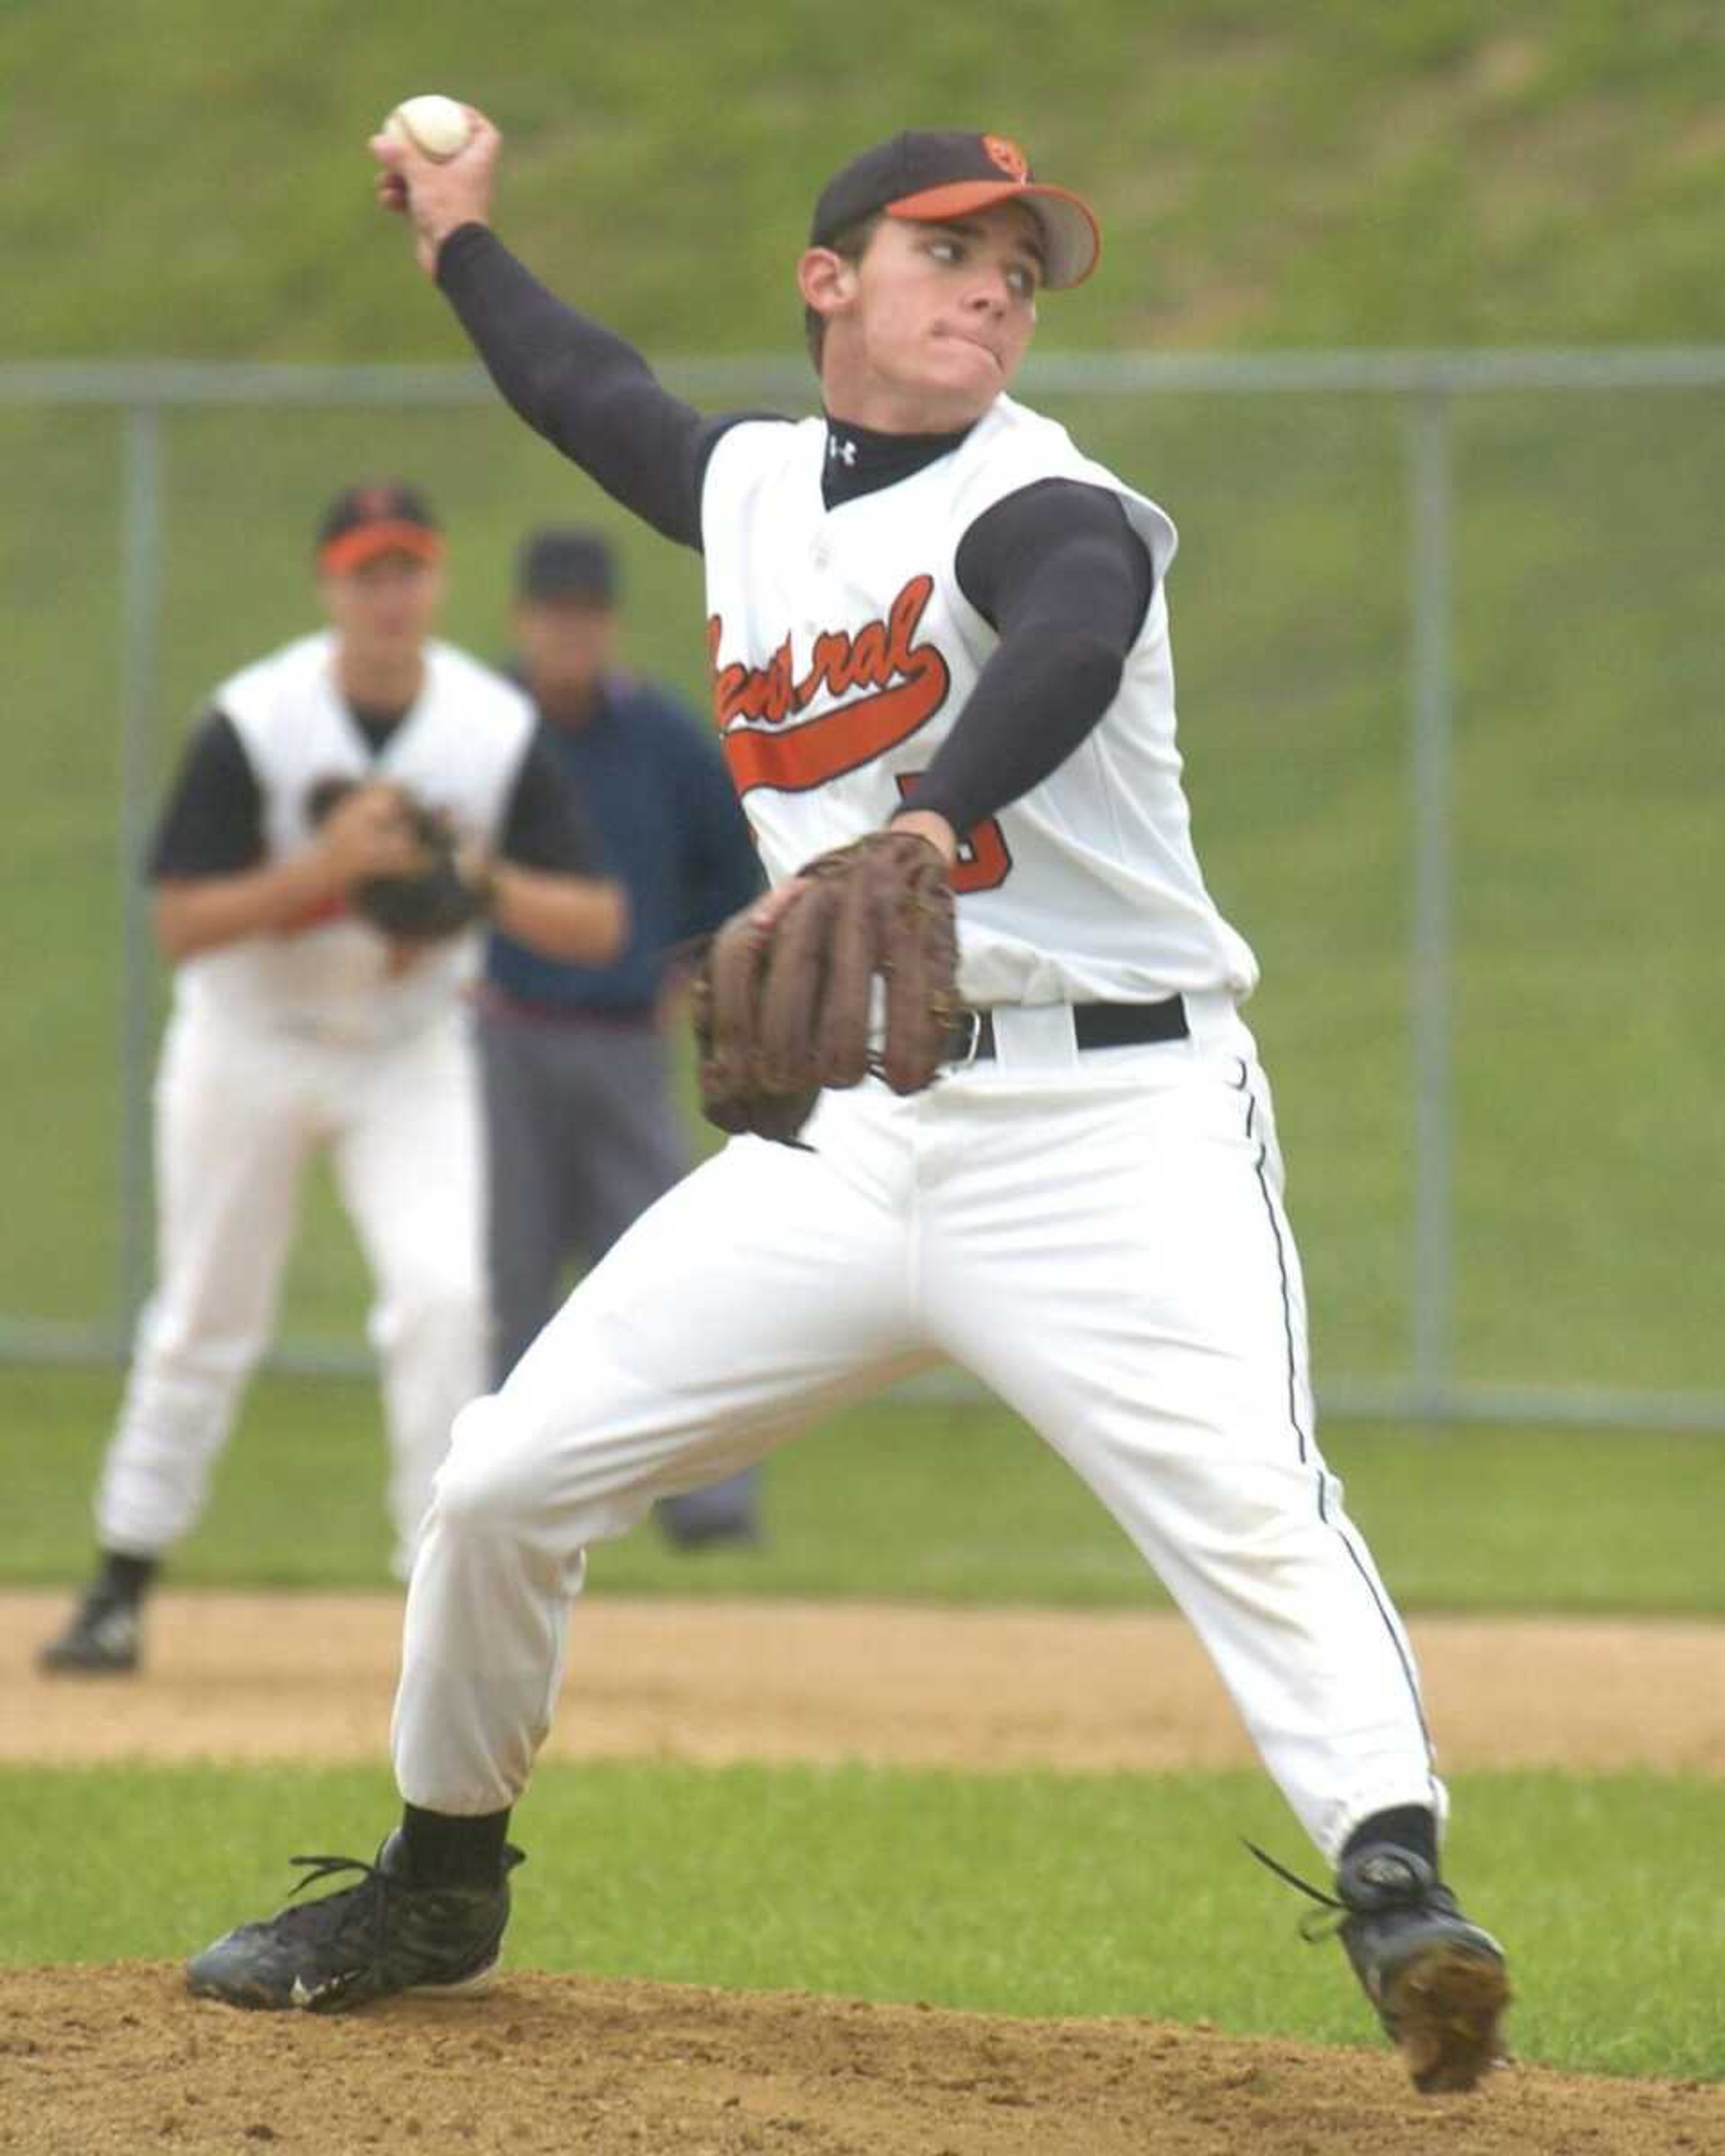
[784,1008]
[447,892]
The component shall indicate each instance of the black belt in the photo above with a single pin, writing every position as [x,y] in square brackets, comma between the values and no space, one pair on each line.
[1093,1025]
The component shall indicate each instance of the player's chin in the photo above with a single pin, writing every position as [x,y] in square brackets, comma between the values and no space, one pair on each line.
[960,356]
[966,374]
[399,631]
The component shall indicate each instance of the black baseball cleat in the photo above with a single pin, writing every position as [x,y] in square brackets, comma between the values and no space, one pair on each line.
[1439,1982]
[369,1941]
[101,1640]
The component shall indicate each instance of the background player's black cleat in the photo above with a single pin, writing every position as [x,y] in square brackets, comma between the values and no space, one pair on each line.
[101,1640]
[1439,1982]
[369,1941]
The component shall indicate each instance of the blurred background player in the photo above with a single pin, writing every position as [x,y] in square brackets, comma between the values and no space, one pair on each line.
[582,1124]
[296,1023]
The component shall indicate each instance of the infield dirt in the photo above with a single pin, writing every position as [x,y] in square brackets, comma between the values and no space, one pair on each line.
[119,2059]
[250,1677]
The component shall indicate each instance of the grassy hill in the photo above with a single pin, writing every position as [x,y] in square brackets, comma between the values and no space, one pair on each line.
[181,182]
[190,179]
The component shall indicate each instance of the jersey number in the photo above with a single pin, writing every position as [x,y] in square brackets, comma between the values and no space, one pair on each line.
[983,864]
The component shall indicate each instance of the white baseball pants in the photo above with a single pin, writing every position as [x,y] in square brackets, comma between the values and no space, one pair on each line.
[1099,1236]
[239,1113]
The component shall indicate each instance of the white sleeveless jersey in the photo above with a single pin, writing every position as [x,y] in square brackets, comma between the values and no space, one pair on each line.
[458,749]
[843,650]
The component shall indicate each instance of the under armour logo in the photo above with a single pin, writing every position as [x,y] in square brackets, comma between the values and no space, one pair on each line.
[841,452]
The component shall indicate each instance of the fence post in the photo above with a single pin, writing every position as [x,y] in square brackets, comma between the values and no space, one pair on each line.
[140,606]
[1432,928]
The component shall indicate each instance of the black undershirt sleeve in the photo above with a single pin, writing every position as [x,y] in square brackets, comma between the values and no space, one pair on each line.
[589,393]
[212,823]
[546,824]
[1059,571]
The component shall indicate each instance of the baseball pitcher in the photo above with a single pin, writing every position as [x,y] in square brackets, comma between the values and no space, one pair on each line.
[980,1048]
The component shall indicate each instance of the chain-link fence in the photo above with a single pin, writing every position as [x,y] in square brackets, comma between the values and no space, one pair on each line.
[1451,704]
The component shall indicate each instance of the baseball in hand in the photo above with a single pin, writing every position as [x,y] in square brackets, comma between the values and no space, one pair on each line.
[436,127]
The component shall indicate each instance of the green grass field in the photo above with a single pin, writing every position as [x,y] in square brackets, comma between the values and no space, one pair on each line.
[908,1499]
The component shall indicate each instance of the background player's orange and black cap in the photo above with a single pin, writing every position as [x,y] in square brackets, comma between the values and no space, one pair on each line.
[381,516]
[933,176]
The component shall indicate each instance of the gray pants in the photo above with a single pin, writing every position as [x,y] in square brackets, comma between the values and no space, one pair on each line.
[582,1136]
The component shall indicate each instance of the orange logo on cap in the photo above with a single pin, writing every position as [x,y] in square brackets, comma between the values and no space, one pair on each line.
[1003,152]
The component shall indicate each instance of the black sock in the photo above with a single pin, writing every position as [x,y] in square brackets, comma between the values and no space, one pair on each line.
[123,1580]
[1412,1827]
[445,1851]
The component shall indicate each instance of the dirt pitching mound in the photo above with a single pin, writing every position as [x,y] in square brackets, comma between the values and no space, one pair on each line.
[121,2059]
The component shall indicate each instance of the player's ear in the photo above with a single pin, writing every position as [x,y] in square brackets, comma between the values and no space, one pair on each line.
[825,280]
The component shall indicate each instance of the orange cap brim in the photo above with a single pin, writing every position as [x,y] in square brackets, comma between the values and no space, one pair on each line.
[369,543]
[1069,224]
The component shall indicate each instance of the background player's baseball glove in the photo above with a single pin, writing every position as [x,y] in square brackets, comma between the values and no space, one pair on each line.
[783,1010]
[440,898]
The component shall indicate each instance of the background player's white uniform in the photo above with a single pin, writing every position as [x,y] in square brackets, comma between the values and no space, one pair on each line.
[280,1044]
[1098,1234]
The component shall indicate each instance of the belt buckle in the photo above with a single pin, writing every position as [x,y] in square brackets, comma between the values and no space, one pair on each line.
[964,1061]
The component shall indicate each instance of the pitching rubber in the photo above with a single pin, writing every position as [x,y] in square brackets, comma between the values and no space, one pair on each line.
[1445,2007]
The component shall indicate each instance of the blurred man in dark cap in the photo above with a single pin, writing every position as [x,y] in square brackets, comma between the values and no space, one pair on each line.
[583,1130]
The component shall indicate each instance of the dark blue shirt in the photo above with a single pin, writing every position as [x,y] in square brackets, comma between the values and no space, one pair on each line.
[656,792]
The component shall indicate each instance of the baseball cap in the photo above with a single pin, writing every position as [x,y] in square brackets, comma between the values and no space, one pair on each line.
[562,563]
[380,516]
[933,176]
